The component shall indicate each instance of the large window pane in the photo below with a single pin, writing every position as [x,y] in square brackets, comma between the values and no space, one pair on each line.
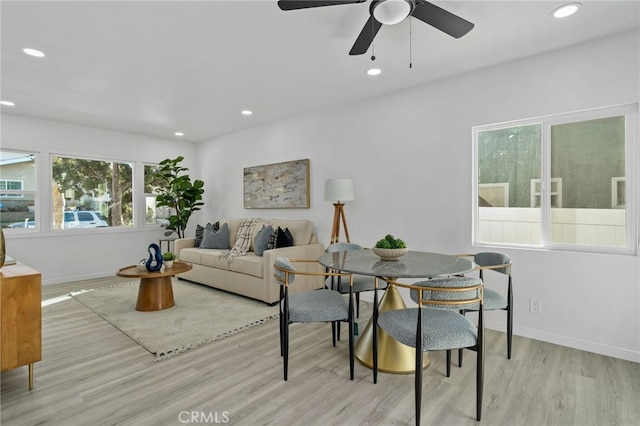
[91,193]
[588,157]
[565,181]
[508,204]
[17,190]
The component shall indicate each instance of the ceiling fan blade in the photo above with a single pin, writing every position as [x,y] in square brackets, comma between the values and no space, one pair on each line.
[366,37]
[304,4]
[439,18]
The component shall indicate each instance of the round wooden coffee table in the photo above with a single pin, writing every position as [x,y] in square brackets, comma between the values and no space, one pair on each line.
[155,292]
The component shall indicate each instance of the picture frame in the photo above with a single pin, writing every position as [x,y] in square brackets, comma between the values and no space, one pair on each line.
[282,185]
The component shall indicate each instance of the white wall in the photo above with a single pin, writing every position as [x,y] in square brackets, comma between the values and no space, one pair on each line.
[82,254]
[410,157]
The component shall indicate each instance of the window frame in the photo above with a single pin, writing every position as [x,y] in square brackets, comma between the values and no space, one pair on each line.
[630,112]
[119,228]
[21,193]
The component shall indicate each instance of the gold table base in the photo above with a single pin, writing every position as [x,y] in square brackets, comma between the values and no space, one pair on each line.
[393,356]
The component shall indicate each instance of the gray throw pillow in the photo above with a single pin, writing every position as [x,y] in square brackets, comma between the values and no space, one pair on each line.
[200,232]
[216,239]
[261,241]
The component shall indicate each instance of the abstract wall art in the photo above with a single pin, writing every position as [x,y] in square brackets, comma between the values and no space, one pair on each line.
[277,186]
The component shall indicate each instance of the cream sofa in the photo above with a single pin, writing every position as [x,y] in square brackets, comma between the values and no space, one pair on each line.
[252,275]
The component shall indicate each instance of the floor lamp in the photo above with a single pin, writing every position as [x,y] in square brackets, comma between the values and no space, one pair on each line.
[337,191]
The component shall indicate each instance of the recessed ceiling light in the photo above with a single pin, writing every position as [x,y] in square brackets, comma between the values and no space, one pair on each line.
[566,10]
[7,103]
[374,71]
[179,134]
[33,52]
[246,112]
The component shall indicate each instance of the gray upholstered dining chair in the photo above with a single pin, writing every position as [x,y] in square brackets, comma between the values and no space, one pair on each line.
[442,327]
[360,282]
[322,305]
[499,263]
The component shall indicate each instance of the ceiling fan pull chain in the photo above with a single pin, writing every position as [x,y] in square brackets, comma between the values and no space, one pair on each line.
[410,44]
[373,45]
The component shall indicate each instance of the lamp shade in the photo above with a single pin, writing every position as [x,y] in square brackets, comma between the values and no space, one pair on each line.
[337,190]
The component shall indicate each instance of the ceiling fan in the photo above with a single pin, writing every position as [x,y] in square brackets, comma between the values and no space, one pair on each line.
[389,12]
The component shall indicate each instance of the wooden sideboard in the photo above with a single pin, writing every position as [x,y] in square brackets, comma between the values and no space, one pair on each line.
[21,317]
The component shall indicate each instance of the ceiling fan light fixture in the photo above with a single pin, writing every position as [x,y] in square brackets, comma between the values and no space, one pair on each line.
[566,10]
[374,71]
[391,12]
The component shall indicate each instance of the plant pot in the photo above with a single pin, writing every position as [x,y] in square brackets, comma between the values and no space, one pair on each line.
[168,263]
[390,254]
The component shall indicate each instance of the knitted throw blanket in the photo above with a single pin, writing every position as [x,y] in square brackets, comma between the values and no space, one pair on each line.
[243,241]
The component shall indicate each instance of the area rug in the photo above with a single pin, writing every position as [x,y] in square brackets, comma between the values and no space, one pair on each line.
[201,315]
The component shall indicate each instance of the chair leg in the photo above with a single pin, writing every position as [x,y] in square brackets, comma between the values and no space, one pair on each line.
[285,358]
[419,367]
[448,362]
[351,354]
[509,317]
[375,336]
[509,331]
[479,380]
[462,311]
[333,332]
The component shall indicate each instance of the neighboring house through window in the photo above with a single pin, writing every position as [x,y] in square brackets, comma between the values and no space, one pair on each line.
[562,181]
[18,209]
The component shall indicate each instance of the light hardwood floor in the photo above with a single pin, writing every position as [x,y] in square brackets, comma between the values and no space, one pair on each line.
[92,374]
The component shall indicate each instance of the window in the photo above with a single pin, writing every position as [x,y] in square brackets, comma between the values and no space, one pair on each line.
[91,193]
[17,190]
[153,181]
[567,177]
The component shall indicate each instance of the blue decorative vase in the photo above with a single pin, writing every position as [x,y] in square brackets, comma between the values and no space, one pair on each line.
[154,263]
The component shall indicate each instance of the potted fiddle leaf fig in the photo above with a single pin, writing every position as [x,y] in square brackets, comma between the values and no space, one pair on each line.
[178,193]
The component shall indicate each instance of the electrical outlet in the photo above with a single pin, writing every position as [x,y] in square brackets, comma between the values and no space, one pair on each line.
[535,306]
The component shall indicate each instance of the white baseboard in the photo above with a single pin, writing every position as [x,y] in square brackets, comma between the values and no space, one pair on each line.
[568,341]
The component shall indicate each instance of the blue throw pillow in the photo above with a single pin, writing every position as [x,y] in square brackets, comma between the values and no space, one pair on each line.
[216,239]
[261,241]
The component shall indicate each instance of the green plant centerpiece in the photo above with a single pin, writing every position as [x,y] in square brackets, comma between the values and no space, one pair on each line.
[390,248]
[168,256]
[179,193]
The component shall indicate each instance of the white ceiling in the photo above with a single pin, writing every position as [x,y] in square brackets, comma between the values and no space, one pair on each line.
[155,67]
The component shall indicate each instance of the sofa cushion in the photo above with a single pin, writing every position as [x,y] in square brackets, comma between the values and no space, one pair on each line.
[191,255]
[215,259]
[215,239]
[200,232]
[261,240]
[250,264]
[301,230]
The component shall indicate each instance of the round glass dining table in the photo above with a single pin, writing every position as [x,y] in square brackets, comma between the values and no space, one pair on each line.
[393,357]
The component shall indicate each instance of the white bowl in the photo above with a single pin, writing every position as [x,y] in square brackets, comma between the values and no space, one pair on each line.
[390,254]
